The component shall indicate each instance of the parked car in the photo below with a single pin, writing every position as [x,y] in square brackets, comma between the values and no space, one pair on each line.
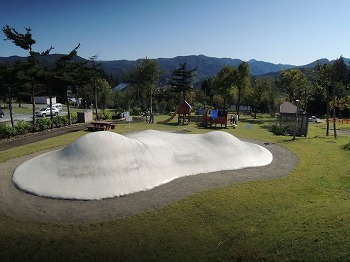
[1,113]
[72,99]
[58,106]
[45,111]
[314,119]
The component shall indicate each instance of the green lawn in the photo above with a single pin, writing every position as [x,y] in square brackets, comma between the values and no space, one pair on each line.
[301,217]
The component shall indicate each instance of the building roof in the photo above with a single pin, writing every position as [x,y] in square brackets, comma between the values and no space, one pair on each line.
[288,107]
[120,87]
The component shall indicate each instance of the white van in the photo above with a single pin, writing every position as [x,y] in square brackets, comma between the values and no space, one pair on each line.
[57,105]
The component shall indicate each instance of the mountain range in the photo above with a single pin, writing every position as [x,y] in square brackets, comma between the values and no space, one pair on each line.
[207,66]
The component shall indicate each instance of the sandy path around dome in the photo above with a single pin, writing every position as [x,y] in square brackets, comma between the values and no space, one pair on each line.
[20,205]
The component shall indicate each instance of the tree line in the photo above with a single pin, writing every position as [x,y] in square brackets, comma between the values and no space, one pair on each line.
[322,91]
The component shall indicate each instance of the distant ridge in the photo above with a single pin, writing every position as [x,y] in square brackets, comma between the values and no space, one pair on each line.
[207,66]
[315,63]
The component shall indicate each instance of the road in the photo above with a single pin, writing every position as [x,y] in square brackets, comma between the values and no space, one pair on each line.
[17,117]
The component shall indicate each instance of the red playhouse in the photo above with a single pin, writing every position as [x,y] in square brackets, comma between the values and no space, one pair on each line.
[215,117]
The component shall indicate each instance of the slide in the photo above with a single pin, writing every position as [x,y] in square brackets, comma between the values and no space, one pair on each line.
[169,119]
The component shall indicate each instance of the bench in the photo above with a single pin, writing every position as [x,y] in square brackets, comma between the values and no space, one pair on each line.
[95,128]
[90,128]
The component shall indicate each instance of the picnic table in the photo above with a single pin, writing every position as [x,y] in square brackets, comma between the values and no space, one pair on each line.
[100,126]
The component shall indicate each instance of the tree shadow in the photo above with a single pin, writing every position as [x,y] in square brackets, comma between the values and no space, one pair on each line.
[173,124]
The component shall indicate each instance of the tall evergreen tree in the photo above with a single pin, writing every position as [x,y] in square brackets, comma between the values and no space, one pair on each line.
[182,79]
[26,42]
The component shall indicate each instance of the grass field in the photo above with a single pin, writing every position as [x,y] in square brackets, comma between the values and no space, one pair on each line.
[301,217]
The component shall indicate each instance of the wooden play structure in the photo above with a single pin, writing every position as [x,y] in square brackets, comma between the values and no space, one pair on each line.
[215,117]
[183,111]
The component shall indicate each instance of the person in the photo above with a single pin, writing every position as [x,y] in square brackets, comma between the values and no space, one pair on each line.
[234,118]
[147,116]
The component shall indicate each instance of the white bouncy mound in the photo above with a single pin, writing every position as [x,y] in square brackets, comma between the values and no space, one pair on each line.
[105,164]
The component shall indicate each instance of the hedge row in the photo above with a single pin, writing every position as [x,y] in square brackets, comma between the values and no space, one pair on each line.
[22,127]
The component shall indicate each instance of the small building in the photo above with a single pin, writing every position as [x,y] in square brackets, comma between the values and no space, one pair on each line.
[85,117]
[244,109]
[288,113]
[44,100]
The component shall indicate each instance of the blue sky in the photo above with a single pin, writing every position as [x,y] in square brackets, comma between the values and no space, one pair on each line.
[289,32]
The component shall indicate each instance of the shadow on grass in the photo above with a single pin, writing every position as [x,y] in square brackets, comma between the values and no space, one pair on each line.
[170,124]
[265,124]
[253,121]
[289,140]
[213,127]
[258,121]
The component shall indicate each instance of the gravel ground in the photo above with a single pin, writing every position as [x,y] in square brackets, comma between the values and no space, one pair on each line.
[20,205]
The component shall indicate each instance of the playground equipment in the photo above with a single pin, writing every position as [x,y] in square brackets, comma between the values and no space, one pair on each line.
[215,117]
[183,111]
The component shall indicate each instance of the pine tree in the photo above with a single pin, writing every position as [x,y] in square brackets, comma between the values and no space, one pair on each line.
[26,42]
[182,79]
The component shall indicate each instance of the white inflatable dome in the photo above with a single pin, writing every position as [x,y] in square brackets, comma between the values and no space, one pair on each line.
[105,164]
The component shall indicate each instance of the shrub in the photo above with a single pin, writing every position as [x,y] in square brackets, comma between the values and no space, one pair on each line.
[106,114]
[74,117]
[58,121]
[198,106]
[346,146]
[23,127]
[44,123]
[135,111]
[279,130]
[7,131]
[65,120]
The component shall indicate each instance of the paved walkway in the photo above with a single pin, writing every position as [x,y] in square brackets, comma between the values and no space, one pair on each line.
[24,206]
